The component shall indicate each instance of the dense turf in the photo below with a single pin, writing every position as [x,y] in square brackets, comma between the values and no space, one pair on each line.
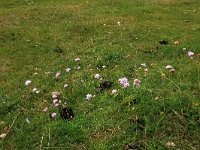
[42,37]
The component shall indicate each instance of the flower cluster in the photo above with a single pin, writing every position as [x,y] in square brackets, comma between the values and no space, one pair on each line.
[124,82]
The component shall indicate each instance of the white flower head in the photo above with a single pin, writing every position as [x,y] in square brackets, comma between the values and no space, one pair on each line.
[28,82]
[45,109]
[37,92]
[184,49]
[68,69]
[34,90]
[143,64]
[88,96]
[97,76]
[66,85]
[114,91]
[103,67]
[77,59]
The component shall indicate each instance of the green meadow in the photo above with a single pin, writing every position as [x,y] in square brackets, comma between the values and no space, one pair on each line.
[128,69]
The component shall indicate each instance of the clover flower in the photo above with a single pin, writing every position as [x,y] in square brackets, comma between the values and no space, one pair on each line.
[119,23]
[184,49]
[28,82]
[124,82]
[45,109]
[56,105]
[77,59]
[53,115]
[114,91]
[54,96]
[57,76]
[143,64]
[88,96]
[126,85]
[68,69]
[66,85]
[55,101]
[97,76]
[168,67]
[34,90]
[176,42]
[190,54]
[37,92]
[136,82]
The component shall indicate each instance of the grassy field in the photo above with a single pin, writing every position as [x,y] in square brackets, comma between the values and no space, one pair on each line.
[132,39]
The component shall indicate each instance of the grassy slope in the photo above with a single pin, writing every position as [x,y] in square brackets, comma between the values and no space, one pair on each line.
[30,32]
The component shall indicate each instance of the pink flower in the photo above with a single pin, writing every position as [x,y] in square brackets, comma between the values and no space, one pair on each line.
[168,67]
[57,76]
[126,85]
[77,59]
[136,82]
[97,76]
[65,85]
[56,105]
[114,91]
[53,115]
[124,82]
[190,54]
[55,101]
[54,96]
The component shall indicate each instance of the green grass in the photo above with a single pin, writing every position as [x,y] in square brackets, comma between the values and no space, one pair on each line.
[147,117]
